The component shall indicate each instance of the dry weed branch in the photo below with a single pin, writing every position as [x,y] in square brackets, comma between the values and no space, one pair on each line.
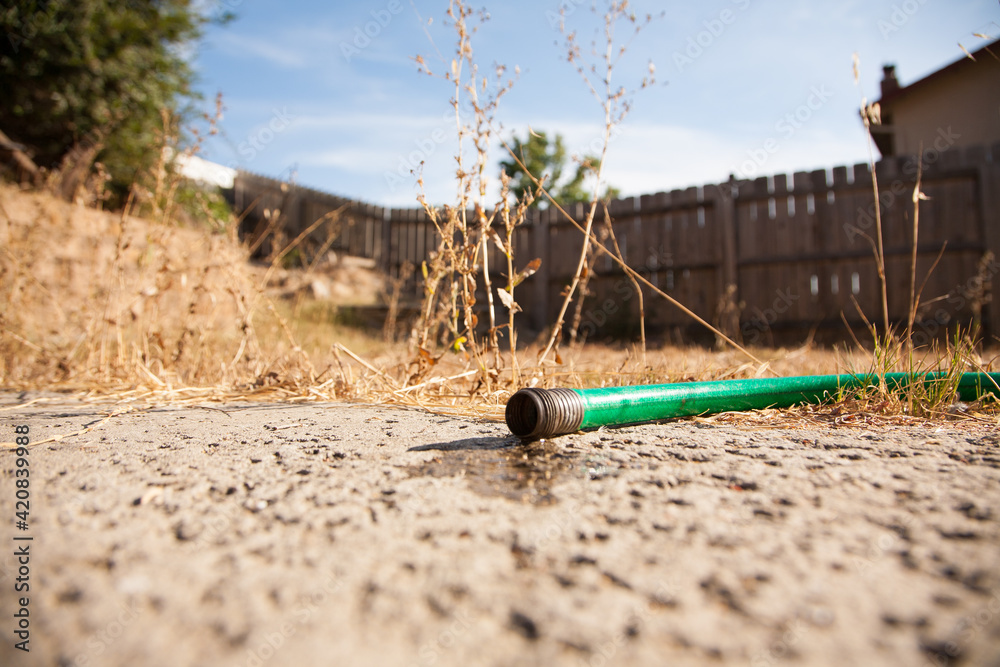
[871,115]
[632,272]
[616,104]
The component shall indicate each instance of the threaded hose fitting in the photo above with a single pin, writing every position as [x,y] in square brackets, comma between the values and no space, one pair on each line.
[542,413]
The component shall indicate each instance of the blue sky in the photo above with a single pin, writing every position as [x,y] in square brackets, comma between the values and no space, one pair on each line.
[329,91]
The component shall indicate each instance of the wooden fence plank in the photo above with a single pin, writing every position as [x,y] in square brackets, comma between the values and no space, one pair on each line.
[989,206]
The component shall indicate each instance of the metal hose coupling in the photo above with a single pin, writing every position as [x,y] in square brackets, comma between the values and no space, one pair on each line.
[543,413]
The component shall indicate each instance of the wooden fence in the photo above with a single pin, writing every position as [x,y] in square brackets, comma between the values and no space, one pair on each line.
[753,257]
[275,213]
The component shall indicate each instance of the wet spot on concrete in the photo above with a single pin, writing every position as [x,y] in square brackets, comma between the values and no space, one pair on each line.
[522,472]
[505,467]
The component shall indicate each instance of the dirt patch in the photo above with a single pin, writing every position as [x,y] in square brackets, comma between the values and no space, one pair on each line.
[104,301]
[337,279]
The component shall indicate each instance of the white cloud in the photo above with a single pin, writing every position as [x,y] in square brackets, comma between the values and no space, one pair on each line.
[378,123]
[260,48]
[646,158]
[354,159]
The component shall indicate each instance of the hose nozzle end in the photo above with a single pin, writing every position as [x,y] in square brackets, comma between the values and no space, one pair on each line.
[542,413]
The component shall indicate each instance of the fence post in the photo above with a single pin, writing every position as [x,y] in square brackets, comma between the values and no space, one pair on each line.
[385,261]
[989,207]
[724,203]
[540,248]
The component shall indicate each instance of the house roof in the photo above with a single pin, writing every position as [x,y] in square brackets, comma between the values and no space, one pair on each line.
[985,52]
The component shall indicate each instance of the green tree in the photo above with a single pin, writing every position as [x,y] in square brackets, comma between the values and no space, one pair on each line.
[548,159]
[75,71]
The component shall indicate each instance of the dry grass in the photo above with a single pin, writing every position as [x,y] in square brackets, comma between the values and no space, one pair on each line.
[106,303]
[114,305]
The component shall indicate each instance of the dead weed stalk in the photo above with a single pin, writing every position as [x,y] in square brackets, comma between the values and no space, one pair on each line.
[454,270]
[871,115]
[615,103]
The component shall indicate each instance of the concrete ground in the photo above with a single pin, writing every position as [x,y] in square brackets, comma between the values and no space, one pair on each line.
[288,534]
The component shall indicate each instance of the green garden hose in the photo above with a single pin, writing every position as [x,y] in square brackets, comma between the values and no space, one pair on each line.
[543,413]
